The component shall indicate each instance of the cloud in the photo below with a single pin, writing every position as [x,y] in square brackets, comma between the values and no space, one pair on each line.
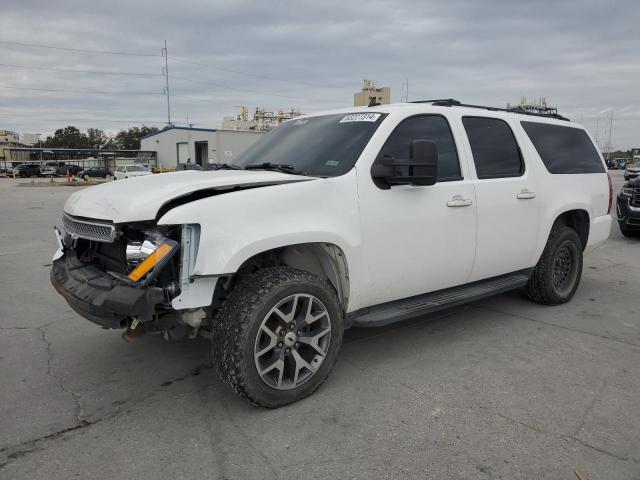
[580,55]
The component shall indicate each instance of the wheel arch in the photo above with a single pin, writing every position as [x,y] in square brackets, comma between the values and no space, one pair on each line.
[577,219]
[575,216]
[326,260]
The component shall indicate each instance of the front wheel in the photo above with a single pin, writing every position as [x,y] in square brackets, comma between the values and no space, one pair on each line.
[556,277]
[277,336]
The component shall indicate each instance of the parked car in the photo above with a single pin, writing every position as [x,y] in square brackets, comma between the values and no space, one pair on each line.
[48,171]
[130,171]
[94,172]
[27,170]
[632,171]
[355,217]
[628,208]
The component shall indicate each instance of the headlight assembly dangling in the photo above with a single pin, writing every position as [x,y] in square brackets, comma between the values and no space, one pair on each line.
[149,255]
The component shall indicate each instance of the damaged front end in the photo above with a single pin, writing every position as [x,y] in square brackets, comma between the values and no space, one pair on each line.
[126,276]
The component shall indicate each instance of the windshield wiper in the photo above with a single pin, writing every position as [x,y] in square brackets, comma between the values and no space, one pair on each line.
[279,167]
[225,166]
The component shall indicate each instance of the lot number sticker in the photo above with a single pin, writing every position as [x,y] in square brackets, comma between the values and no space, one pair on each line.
[361,117]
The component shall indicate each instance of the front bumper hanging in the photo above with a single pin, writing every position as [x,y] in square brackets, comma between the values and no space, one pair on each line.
[101,298]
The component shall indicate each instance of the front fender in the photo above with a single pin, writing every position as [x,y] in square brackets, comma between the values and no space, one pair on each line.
[237,225]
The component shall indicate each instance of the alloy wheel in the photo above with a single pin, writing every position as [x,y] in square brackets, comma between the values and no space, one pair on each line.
[292,341]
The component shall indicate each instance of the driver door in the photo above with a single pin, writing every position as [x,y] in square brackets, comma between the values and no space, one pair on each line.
[418,239]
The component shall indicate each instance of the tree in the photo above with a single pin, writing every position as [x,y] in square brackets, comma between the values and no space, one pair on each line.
[72,137]
[130,139]
[68,137]
[96,138]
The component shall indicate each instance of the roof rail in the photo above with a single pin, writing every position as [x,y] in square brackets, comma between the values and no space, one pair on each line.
[450,102]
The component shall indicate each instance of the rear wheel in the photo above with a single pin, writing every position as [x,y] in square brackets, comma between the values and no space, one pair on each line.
[277,336]
[556,277]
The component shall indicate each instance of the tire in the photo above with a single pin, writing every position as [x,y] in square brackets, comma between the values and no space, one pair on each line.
[556,277]
[248,324]
[627,232]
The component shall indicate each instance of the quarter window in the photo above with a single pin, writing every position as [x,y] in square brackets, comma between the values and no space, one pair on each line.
[564,149]
[425,127]
[495,151]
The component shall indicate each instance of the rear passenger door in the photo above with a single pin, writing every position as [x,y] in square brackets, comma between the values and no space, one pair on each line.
[507,202]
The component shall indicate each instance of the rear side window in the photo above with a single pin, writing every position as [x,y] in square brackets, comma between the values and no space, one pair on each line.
[564,149]
[495,151]
[425,127]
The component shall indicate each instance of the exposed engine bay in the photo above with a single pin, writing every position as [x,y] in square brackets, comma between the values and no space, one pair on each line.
[127,276]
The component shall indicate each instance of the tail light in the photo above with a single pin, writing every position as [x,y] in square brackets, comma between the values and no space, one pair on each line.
[610,193]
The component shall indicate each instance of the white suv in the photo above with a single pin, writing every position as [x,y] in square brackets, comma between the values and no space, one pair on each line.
[356,217]
[130,171]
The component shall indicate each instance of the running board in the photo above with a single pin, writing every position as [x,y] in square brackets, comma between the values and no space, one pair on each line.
[398,310]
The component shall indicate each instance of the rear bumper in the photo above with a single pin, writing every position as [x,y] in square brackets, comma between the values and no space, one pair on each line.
[100,298]
[599,232]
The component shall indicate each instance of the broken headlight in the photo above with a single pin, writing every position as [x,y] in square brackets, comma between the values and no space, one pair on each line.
[148,255]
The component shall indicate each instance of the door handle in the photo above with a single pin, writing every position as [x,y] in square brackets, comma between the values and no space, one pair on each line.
[526,195]
[458,201]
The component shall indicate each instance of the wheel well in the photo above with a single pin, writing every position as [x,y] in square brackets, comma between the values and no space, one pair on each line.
[324,260]
[578,220]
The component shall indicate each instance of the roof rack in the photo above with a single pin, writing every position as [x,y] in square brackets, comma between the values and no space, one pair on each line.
[451,102]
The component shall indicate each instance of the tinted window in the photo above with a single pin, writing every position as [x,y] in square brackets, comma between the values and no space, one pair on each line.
[425,127]
[564,149]
[494,148]
[326,145]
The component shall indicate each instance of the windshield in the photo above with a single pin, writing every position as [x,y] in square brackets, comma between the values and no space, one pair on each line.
[327,145]
[634,165]
[136,168]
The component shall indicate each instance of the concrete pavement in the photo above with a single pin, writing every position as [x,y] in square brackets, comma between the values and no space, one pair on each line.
[501,388]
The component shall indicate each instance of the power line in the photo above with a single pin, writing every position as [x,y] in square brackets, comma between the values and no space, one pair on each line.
[234,88]
[81,50]
[98,72]
[78,91]
[256,75]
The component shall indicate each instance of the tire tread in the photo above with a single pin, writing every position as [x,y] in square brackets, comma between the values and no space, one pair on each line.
[233,325]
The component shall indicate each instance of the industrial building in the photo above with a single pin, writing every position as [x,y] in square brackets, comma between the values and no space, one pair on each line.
[262,120]
[9,139]
[370,93]
[202,146]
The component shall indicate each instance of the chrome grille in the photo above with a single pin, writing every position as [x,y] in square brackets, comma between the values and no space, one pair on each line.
[634,201]
[100,232]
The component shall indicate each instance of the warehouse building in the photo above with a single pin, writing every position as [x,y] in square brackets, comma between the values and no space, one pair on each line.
[202,146]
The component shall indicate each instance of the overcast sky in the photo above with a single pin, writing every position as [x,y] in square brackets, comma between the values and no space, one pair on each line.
[582,56]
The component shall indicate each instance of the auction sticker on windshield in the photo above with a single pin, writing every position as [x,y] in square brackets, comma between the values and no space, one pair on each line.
[361,117]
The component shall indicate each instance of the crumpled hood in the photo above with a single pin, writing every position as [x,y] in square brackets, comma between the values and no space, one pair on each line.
[140,198]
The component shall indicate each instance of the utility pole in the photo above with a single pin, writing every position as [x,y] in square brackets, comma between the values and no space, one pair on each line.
[597,121]
[165,72]
[610,127]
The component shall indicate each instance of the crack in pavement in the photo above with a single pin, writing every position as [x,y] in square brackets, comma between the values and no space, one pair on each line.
[551,324]
[14,452]
[77,398]
[534,428]
[30,446]
[573,437]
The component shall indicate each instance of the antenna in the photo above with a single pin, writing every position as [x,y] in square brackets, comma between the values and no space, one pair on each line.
[405,90]
[165,72]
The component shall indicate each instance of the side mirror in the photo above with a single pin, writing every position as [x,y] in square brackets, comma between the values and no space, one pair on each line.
[420,169]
